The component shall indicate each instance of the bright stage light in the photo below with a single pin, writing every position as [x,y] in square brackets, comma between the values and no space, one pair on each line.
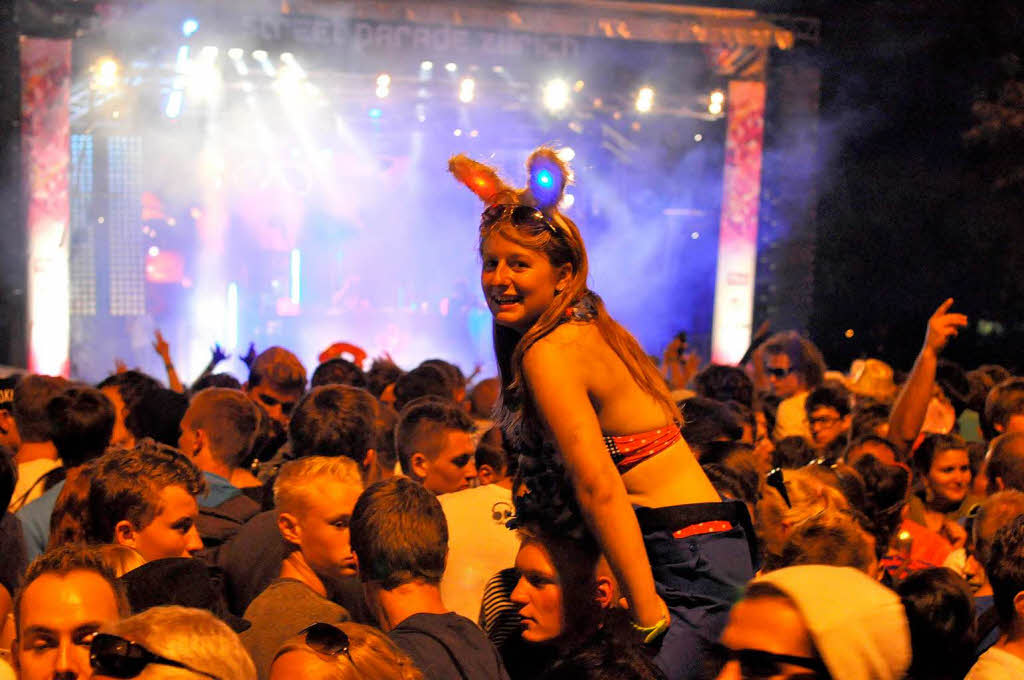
[106,74]
[545,179]
[467,90]
[555,95]
[174,101]
[698,137]
[209,53]
[451,67]
[568,201]
[181,63]
[204,79]
[716,102]
[376,113]
[426,66]
[645,99]
[188,27]
[237,56]
[153,251]
[383,85]
[566,153]
[264,61]
[236,53]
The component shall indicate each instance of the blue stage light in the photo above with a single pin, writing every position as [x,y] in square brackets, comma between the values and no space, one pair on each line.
[545,179]
[188,27]
[376,113]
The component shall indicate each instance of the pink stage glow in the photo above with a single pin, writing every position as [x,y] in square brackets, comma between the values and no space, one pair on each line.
[46,78]
[737,239]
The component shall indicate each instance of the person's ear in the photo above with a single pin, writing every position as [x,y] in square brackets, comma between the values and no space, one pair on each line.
[201,440]
[419,465]
[564,276]
[370,464]
[604,592]
[6,420]
[1018,605]
[125,534]
[485,474]
[290,528]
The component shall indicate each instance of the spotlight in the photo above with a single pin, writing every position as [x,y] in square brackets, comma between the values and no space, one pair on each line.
[376,113]
[568,201]
[555,95]
[181,63]
[105,74]
[209,53]
[451,67]
[467,90]
[566,153]
[188,27]
[645,99]
[426,65]
[698,137]
[237,56]
[154,251]
[383,85]
[716,102]
[263,59]
[457,132]
[578,86]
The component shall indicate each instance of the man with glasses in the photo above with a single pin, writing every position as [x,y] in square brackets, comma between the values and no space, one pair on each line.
[170,642]
[277,380]
[69,594]
[815,621]
[793,366]
[828,413]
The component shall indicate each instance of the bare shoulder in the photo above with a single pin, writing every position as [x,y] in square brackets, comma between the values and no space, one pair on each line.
[565,343]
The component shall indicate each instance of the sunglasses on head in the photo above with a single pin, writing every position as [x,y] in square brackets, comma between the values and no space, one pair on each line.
[115,657]
[522,217]
[756,664]
[327,639]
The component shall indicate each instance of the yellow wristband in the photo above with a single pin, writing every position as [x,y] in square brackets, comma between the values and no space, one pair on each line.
[652,633]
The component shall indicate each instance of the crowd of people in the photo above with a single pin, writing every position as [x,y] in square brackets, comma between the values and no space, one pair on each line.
[591,512]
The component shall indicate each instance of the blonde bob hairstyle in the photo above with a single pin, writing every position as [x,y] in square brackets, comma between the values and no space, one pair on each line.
[371,656]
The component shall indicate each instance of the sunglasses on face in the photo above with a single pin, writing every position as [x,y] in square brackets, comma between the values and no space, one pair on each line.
[756,664]
[521,217]
[115,657]
[779,373]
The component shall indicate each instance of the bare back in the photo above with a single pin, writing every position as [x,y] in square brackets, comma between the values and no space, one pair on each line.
[672,477]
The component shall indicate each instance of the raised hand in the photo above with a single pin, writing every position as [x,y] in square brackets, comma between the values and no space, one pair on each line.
[942,326]
[217,354]
[250,355]
[161,346]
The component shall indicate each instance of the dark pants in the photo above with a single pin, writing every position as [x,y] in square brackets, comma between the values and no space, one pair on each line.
[699,577]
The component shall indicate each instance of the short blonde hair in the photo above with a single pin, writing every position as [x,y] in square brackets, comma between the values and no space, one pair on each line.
[291,486]
[120,558]
[373,655]
[194,637]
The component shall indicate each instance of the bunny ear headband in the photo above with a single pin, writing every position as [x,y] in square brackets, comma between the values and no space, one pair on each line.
[548,176]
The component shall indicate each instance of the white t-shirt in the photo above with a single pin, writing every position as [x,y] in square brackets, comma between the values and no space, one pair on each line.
[479,544]
[997,664]
[791,418]
[28,474]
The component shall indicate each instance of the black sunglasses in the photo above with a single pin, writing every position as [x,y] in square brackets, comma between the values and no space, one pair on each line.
[115,657]
[327,639]
[777,482]
[778,372]
[521,217]
[756,664]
